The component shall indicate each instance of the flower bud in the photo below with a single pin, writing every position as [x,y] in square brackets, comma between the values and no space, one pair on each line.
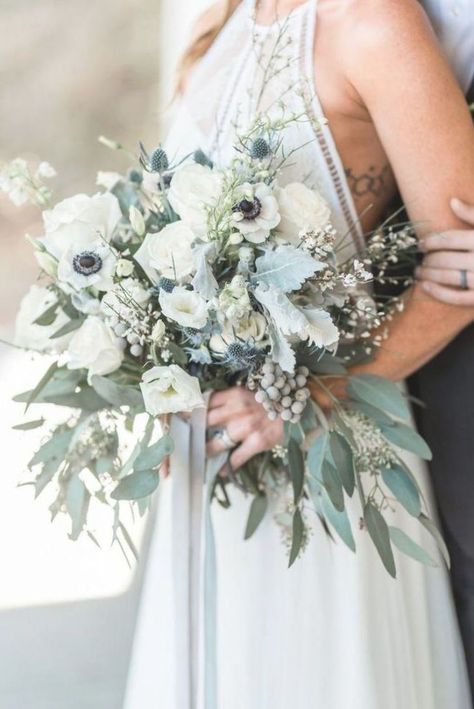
[124,268]
[137,221]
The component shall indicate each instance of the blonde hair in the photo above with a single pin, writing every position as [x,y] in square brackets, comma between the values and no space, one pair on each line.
[202,42]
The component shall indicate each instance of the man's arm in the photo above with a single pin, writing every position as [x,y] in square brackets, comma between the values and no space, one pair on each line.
[421,117]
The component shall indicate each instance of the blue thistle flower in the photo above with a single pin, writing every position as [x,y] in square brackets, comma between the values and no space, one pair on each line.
[159,160]
[259,149]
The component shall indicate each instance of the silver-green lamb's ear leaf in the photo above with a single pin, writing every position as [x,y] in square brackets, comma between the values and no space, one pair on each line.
[29,425]
[136,485]
[204,281]
[380,393]
[288,319]
[77,502]
[296,466]
[429,525]
[282,352]
[316,455]
[257,512]
[332,485]
[117,394]
[151,457]
[378,530]
[407,546]
[297,537]
[338,520]
[400,484]
[286,268]
[343,460]
[407,438]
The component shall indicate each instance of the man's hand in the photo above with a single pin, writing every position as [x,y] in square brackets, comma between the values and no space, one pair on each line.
[447,271]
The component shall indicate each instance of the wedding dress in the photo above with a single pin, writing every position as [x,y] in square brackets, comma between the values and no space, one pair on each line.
[335,631]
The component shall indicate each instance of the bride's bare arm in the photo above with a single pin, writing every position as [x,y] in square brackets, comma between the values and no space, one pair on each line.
[402,79]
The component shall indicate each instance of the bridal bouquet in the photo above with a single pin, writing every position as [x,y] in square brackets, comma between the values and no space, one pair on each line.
[178,279]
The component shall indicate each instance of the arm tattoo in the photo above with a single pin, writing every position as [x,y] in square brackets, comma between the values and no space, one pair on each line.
[371,182]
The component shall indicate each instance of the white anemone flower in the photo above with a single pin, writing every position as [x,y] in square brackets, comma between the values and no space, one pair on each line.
[256,212]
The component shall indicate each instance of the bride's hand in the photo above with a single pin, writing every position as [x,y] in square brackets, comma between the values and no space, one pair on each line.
[246,423]
[447,271]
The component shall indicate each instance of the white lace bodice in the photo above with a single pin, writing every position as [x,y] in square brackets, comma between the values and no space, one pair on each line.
[254,69]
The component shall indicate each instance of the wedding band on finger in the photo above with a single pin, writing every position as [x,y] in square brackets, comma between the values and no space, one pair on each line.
[226,440]
[463,275]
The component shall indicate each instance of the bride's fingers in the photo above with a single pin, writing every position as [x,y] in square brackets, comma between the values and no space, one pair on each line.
[445,294]
[454,240]
[251,446]
[444,276]
[463,210]
[237,430]
[449,259]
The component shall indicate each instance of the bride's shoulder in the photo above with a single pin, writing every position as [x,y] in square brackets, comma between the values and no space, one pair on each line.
[387,23]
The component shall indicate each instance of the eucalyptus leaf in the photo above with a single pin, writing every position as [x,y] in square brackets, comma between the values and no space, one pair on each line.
[297,539]
[70,326]
[372,412]
[332,485]
[179,355]
[339,520]
[343,461]
[137,485]
[48,316]
[407,438]
[48,472]
[41,384]
[296,465]
[55,448]
[379,533]
[29,425]
[400,484]
[117,394]
[285,268]
[431,527]
[317,453]
[380,393]
[151,457]
[77,499]
[257,512]
[407,546]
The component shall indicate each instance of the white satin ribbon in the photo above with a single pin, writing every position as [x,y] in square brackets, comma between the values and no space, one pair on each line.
[194,562]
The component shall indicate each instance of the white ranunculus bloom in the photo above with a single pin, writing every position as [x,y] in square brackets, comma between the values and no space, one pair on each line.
[168,253]
[169,390]
[186,307]
[95,347]
[87,263]
[37,337]
[80,219]
[193,188]
[320,330]
[256,212]
[301,209]
[251,329]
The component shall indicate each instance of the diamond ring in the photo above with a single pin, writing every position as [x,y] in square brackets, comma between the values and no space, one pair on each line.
[226,440]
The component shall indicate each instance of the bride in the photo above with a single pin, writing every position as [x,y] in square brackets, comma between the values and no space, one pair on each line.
[334,631]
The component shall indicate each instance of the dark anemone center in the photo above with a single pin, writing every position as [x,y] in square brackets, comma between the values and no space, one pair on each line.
[249,208]
[87,263]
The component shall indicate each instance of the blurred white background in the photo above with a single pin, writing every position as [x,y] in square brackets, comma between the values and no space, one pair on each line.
[68,72]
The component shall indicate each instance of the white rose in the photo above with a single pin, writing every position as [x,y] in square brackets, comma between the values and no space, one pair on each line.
[168,253]
[256,212]
[193,188]
[252,329]
[186,307]
[301,209]
[80,219]
[37,337]
[95,347]
[170,390]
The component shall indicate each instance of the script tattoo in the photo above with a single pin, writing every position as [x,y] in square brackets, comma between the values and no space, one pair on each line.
[371,182]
